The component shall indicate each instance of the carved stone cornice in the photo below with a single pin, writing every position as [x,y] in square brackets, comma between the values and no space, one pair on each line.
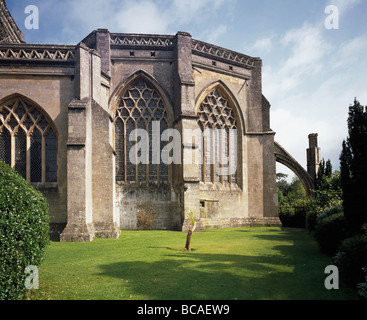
[225,55]
[36,53]
[141,40]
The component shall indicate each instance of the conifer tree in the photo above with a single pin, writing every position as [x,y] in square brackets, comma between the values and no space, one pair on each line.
[325,171]
[353,166]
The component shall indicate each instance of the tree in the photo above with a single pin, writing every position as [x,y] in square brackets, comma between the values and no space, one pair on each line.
[293,193]
[292,201]
[325,171]
[191,217]
[353,165]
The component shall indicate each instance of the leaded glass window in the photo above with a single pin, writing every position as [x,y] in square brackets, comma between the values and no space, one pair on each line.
[140,109]
[5,147]
[21,153]
[27,141]
[36,157]
[218,143]
[51,156]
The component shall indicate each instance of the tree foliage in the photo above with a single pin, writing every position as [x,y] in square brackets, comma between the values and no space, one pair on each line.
[292,201]
[353,165]
[325,171]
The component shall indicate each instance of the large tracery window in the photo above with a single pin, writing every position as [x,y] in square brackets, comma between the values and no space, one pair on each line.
[140,107]
[27,141]
[218,142]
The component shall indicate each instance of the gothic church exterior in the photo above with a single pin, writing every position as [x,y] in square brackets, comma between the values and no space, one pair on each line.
[67,113]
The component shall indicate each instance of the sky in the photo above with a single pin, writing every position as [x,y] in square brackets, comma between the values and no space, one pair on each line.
[314,55]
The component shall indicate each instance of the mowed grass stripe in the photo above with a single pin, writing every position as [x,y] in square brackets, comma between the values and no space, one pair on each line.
[228,264]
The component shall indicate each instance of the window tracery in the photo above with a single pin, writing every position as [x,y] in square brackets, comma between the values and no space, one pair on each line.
[27,141]
[218,143]
[139,107]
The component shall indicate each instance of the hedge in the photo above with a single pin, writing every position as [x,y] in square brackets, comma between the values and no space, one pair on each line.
[330,232]
[293,217]
[24,232]
[351,260]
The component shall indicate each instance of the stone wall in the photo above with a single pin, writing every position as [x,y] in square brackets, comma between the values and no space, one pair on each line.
[51,88]
[148,207]
[79,88]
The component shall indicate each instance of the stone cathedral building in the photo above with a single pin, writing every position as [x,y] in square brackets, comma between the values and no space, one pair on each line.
[67,114]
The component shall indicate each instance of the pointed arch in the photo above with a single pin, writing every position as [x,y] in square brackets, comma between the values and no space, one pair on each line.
[24,100]
[221,123]
[32,147]
[140,106]
[226,92]
[124,84]
[283,157]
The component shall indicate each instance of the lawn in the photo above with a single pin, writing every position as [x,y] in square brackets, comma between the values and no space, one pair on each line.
[228,264]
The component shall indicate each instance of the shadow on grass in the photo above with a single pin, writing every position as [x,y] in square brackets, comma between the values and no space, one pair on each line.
[289,273]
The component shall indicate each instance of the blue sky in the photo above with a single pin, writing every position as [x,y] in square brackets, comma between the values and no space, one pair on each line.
[311,74]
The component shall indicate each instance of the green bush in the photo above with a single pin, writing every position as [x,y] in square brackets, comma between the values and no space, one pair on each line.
[24,232]
[362,290]
[292,217]
[313,210]
[351,259]
[327,212]
[330,232]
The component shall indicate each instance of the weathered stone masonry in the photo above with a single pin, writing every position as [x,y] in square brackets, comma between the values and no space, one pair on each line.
[96,92]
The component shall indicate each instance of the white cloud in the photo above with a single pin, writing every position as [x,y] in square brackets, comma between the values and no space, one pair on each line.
[146,16]
[213,35]
[193,10]
[307,48]
[303,52]
[311,87]
[350,51]
[344,5]
[262,45]
[140,17]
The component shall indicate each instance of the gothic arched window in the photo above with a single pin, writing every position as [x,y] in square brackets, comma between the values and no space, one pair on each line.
[218,142]
[27,141]
[140,115]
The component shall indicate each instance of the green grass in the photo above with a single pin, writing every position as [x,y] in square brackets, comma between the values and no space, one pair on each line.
[244,263]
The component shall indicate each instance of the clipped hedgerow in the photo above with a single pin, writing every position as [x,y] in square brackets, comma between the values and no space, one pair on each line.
[24,232]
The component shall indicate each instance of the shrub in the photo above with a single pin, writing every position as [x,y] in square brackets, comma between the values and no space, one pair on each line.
[351,259]
[313,210]
[362,290]
[292,217]
[327,212]
[24,231]
[330,232]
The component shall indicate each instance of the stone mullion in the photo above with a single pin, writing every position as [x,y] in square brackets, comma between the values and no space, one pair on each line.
[221,152]
[158,166]
[210,150]
[28,157]
[12,144]
[203,158]
[147,155]
[229,157]
[124,159]
[43,157]
[136,155]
